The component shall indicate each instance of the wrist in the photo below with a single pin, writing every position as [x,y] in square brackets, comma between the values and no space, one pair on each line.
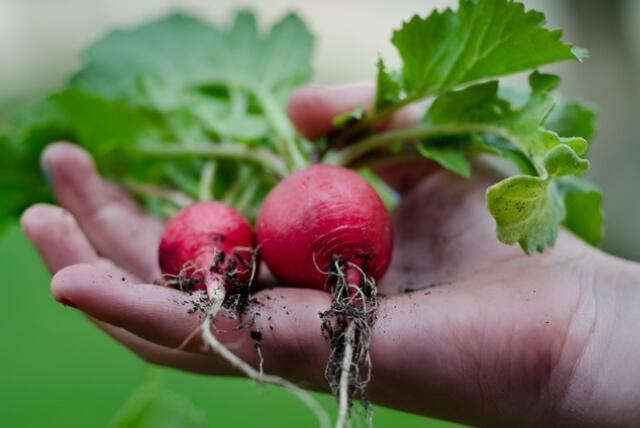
[604,385]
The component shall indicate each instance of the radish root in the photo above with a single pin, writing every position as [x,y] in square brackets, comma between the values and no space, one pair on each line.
[345,379]
[348,324]
[216,298]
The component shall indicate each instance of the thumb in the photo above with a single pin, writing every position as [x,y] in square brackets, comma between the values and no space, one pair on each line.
[312,108]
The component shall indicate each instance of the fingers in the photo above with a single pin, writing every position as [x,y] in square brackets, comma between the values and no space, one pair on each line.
[60,242]
[292,343]
[57,237]
[111,221]
[312,108]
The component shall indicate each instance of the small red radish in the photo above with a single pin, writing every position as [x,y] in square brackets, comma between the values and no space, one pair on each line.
[207,244]
[318,214]
[325,227]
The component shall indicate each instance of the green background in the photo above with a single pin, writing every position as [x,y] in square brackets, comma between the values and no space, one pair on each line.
[60,371]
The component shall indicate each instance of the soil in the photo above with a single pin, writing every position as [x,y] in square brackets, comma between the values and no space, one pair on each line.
[238,294]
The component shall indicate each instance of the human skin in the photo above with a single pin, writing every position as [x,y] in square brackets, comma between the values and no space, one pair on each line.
[488,336]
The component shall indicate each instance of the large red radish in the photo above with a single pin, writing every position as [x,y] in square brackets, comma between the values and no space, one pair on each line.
[320,214]
[325,227]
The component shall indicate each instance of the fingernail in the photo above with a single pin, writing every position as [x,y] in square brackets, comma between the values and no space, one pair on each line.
[67,302]
[44,167]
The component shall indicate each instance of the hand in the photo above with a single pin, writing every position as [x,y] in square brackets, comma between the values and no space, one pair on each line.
[488,336]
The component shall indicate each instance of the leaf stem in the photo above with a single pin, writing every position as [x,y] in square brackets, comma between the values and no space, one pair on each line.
[237,188]
[238,101]
[153,374]
[136,405]
[378,141]
[287,144]
[171,195]
[244,201]
[205,192]
[374,117]
[225,150]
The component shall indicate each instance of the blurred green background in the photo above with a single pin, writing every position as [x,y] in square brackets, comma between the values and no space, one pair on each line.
[58,370]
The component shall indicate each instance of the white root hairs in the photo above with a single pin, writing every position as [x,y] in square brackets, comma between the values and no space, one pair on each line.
[216,295]
[261,358]
[349,321]
[345,375]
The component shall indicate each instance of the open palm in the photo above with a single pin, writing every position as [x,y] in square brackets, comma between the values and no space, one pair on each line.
[469,329]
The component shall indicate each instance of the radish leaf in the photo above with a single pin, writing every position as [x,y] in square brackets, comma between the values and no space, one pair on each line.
[583,206]
[528,210]
[483,39]
[388,87]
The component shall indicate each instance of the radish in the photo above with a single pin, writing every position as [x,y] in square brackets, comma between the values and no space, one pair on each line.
[208,246]
[205,235]
[325,227]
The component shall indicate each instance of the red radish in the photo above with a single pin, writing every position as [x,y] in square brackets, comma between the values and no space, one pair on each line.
[207,244]
[320,213]
[325,227]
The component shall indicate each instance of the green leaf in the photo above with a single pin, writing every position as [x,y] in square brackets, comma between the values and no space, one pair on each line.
[102,126]
[280,59]
[249,127]
[571,118]
[568,118]
[483,39]
[177,49]
[388,87]
[190,71]
[154,407]
[183,52]
[540,82]
[522,127]
[563,160]
[345,118]
[285,55]
[166,97]
[525,124]
[492,145]
[21,183]
[583,205]
[389,196]
[479,109]
[451,157]
[169,81]
[98,123]
[527,210]
[475,104]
